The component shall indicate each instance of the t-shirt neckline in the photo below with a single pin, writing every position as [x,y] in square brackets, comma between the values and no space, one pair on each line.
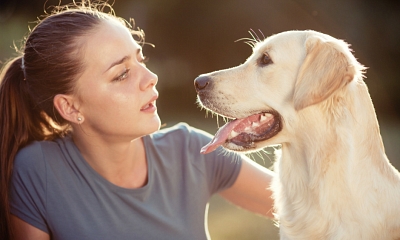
[107,183]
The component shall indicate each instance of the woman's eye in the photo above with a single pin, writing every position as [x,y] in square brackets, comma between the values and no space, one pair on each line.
[265,59]
[123,75]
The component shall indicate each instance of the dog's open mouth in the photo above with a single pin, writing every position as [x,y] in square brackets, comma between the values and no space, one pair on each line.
[242,134]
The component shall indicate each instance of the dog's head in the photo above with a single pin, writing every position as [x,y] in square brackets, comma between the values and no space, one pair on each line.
[287,73]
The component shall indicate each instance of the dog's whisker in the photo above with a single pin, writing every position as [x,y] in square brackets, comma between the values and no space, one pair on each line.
[255,36]
[269,156]
[251,44]
[247,39]
[260,155]
[226,119]
[261,33]
[249,155]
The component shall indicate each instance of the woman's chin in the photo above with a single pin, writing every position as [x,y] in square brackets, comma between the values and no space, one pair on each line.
[155,123]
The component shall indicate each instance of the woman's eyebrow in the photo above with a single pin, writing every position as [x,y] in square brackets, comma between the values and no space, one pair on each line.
[118,62]
[138,52]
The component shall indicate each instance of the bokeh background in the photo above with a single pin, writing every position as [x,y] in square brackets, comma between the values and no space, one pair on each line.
[198,36]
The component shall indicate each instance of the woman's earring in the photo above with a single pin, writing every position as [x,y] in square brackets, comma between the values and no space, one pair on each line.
[79,119]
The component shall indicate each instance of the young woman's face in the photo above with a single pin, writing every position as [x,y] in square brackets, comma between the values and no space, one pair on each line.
[116,92]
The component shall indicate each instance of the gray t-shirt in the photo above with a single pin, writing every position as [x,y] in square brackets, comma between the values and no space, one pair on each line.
[56,190]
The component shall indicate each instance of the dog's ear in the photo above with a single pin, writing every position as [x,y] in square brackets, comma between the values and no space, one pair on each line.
[324,70]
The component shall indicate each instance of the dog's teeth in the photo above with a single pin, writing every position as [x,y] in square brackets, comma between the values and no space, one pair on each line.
[233,134]
[255,124]
[263,118]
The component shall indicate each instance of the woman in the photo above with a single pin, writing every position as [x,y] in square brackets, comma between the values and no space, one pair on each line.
[82,156]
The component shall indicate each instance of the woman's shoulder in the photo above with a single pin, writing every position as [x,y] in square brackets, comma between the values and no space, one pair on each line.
[181,134]
[180,127]
[181,130]
[33,154]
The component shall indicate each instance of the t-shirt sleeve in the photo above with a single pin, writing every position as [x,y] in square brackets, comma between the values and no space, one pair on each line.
[28,186]
[222,167]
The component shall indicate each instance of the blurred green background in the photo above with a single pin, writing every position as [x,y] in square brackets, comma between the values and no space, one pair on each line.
[197,36]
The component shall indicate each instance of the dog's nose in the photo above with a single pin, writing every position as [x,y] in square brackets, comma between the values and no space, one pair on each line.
[201,82]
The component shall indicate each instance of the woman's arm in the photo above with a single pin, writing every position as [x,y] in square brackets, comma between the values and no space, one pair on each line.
[25,231]
[251,189]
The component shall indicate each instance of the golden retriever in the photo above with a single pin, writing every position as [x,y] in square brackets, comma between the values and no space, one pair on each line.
[305,91]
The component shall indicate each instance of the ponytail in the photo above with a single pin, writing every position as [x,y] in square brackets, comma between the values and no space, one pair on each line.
[12,78]
[21,122]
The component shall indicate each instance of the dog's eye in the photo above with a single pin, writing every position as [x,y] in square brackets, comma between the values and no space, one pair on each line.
[265,59]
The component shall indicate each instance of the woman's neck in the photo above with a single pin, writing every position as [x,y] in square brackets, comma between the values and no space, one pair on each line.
[122,163]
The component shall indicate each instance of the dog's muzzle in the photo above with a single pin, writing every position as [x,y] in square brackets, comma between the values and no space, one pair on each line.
[241,134]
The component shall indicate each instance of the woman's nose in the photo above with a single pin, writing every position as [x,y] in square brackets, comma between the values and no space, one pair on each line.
[150,80]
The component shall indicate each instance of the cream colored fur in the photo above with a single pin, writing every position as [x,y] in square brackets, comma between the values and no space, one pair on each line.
[334,180]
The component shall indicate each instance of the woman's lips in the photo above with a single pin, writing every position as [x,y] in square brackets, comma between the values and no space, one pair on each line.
[150,106]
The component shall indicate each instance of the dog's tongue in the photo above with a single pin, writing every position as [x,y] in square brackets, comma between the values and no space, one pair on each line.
[220,137]
[222,134]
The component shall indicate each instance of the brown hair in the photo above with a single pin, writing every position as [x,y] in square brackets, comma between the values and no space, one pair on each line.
[49,64]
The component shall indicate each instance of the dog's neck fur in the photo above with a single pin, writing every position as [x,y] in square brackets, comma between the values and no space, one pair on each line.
[328,143]
[330,174]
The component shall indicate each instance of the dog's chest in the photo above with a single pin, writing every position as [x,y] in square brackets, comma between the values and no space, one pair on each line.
[323,205]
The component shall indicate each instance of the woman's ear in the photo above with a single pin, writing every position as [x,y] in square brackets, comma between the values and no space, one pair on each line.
[325,69]
[67,108]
